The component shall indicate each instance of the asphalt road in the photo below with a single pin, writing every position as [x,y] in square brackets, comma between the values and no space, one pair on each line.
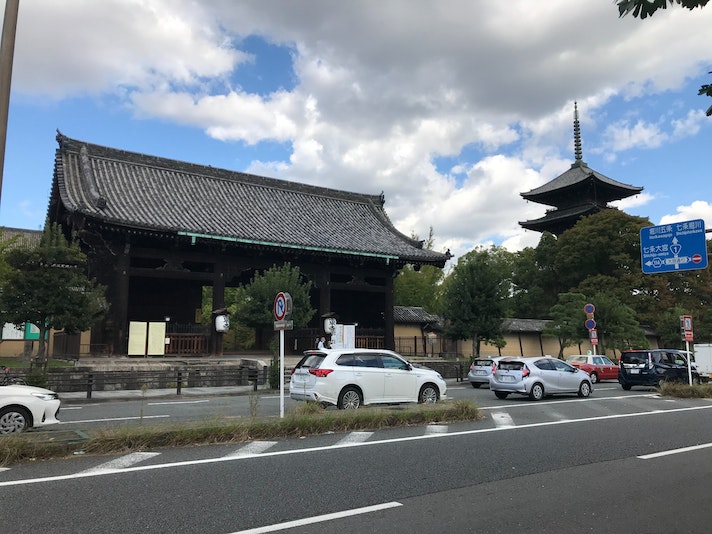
[560,465]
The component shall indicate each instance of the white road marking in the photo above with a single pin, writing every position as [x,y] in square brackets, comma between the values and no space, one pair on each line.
[436,429]
[320,518]
[502,420]
[113,419]
[252,449]
[675,451]
[355,437]
[121,463]
[307,450]
[176,402]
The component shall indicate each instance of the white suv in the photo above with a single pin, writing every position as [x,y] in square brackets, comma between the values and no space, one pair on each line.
[349,378]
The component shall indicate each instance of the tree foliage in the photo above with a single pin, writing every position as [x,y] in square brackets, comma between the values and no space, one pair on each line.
[47,286]
[475,296]
[254,303]
[567,320]
[646,8]
[421,286]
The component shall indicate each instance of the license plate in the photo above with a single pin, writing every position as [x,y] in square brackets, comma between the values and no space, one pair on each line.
[507,378]
[635,371]
[477,372]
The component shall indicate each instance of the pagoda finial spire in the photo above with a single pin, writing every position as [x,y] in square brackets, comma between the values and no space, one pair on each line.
[578,152]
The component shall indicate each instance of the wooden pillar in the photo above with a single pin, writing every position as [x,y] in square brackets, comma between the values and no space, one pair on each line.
[323,278]
[120,304]
[389,341]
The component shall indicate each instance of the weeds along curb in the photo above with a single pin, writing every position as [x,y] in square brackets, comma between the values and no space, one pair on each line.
[308,419]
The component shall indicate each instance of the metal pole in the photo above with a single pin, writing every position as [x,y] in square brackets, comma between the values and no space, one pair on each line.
[281,374]
[7,52]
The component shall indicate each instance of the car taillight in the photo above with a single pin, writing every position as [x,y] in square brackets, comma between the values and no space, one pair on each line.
[525,371]
[321,373]
[494,368]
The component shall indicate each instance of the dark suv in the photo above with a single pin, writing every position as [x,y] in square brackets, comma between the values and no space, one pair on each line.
[653,367]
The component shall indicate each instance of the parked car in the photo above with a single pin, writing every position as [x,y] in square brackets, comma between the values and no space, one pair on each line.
[480,371]
[538,377]
[349,378]
[654,367]
[598,367]
[23,407]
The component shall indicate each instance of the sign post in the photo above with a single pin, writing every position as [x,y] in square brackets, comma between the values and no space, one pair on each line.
[590,325]
[687,336]
[282,321]
[672,247]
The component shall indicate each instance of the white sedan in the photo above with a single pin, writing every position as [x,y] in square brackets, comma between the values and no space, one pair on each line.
[23,407]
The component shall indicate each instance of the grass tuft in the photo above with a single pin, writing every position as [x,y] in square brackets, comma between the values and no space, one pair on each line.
[686,391]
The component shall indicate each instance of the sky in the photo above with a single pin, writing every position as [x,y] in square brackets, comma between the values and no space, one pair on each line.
[451,108]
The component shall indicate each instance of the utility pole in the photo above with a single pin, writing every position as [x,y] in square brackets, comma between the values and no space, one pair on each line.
[7,52]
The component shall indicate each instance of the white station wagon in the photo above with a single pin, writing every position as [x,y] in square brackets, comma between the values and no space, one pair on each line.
[349,378]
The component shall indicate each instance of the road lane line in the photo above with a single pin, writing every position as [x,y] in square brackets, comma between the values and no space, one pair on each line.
[176,402]
[436,429]
[113,419]
[390,441]
[121,463]
[675,451]
[320,518]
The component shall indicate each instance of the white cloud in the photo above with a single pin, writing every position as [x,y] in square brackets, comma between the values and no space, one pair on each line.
[383,89]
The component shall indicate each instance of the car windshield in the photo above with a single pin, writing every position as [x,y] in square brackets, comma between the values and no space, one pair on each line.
[311,361]
[509,365]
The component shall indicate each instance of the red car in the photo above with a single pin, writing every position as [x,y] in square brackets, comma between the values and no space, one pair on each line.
[599,367]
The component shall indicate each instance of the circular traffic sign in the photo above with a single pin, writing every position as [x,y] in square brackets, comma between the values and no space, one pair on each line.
[280,306]
[590,324]
[696,258]
[589,308]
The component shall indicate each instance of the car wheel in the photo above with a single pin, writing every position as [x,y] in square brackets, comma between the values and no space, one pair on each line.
[13,420]
[349,399]
[594,378]
[584,389]
[537,392]
[475,384]
[429,394]
[626,387]
[501,394]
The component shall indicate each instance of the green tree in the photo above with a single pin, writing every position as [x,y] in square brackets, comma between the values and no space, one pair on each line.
[47,286]
[616,324]
[422,285]
[567,320]
[646,8]
[475,293]
[534,280]
[254,303]
[606,243]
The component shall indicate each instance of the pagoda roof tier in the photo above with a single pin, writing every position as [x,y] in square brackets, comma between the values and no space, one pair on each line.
[580,182]
[557,221]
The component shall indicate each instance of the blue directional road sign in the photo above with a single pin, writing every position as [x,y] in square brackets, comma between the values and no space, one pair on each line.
[679,246]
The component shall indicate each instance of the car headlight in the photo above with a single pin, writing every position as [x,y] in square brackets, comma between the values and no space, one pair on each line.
[46,396]
[439,376]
